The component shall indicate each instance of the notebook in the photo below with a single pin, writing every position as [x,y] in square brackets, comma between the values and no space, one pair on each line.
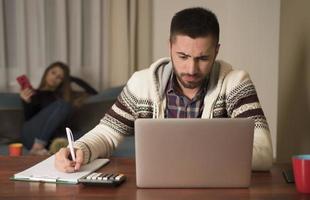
[193,153]
[45,171]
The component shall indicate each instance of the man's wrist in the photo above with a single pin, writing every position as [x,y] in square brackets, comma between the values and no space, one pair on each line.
[85,149]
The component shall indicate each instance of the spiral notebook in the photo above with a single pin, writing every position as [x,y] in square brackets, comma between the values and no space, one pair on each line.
[45,171]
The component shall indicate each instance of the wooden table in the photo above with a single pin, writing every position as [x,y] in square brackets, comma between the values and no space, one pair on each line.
[264,185]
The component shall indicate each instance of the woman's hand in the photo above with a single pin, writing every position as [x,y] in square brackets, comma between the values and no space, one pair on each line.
[63,164]
[26,94]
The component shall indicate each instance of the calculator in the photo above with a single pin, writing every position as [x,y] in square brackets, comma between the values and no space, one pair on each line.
[104,179]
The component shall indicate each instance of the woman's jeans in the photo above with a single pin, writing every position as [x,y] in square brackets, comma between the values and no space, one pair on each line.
[46,124]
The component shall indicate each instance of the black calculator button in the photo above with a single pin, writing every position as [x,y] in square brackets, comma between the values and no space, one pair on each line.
[113,177]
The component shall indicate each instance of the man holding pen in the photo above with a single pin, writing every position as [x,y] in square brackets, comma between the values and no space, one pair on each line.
[191,83]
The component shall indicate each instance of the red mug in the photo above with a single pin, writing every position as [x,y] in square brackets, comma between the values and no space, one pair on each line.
[15,149]
[301,167]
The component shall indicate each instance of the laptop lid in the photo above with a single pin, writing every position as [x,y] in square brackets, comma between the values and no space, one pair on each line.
[193,153]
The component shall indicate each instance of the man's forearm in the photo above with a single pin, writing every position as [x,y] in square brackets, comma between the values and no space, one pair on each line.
[98,142]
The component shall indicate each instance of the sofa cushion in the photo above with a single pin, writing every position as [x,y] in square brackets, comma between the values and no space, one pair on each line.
[11,121]
[10,101]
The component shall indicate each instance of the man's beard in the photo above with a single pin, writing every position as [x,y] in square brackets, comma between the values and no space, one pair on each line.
[189,84]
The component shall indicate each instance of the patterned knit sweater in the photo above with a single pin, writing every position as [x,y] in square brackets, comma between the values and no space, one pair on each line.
[230,93]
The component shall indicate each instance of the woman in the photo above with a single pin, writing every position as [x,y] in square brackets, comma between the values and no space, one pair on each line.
[46,109]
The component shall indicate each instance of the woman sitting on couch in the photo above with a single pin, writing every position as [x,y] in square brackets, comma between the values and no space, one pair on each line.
[47,110]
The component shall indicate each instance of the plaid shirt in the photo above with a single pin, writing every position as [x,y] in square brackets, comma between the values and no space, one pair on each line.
[179,106]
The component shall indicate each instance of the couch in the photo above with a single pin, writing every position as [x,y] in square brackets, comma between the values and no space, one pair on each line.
[84,118]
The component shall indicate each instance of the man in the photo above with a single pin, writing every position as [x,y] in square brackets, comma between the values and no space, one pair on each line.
[189,84]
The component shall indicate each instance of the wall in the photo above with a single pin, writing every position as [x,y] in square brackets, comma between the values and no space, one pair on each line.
[294,80]
[249,40]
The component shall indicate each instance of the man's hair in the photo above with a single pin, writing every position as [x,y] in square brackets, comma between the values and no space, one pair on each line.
[194,22]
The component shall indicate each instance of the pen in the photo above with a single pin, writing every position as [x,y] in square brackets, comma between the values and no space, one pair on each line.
[70,141]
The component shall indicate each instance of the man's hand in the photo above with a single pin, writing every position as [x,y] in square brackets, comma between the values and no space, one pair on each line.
[64,164]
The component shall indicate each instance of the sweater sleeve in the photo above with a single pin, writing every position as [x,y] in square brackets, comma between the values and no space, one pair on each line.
[84,85]
[31,108]
[242,101]
[116,123]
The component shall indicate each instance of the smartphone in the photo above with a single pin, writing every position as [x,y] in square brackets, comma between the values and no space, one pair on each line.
[24,82]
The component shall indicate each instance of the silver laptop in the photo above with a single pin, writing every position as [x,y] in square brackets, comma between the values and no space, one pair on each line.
[193,153]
